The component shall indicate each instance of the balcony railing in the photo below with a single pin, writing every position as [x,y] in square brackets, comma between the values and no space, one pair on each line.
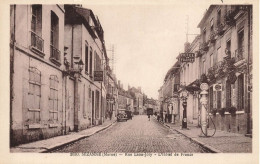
[36,41]
[55,53]
[239,54]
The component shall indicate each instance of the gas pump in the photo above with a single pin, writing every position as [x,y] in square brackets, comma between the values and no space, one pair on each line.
[204,115]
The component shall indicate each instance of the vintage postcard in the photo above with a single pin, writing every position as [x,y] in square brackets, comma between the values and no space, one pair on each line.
[124,81]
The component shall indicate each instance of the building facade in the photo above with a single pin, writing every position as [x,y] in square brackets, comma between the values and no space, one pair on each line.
[37,90]
[226,57]
[138,100]
[189,76]
[170,104]
[224,61]
[58,76]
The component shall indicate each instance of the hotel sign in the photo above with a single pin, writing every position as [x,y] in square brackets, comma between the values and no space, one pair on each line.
[98,75]
[187,57]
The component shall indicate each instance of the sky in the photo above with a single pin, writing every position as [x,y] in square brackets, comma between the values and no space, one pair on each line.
[148,38]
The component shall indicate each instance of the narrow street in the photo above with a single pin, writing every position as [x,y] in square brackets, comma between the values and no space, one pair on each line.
[136,135]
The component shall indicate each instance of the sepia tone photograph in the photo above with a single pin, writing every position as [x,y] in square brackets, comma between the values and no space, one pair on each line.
[131,80]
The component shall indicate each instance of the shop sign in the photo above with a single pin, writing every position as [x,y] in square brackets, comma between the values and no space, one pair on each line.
[98,75]
[187,57]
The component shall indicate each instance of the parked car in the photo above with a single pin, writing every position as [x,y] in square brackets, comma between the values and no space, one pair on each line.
[121,115]
[129,114]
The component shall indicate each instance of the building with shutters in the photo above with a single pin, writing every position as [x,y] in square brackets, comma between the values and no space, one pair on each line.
[55,51]
[168,94]
[189,76]
[36,72]
[224,58]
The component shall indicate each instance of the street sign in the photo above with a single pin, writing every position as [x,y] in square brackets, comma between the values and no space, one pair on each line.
[204,86]
[98,75]
[187,57]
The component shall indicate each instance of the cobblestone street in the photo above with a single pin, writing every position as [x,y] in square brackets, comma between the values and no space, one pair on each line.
[137,135]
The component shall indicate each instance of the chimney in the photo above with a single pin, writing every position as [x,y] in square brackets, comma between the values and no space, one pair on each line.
[186,46]
[119,84]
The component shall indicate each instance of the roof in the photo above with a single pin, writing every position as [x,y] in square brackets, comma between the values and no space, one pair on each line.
[172,70]
[76,14]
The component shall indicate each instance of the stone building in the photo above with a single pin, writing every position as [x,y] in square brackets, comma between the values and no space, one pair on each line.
[170,103]
[55,53]
[84,41]
[36,73]
[125,100]
[226,59]
[189,76]
[223,60]
[138,99]
[112,93]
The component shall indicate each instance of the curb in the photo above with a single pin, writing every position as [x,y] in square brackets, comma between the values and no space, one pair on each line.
[80,138]
[47,150]
[202,144]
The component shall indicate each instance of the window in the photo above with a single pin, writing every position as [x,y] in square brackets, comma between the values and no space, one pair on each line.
[240,99]
[219,17]
[36,28]
[53,98]
[211,25]
[90,62]
[84,104]
[54,47]
[86,58]
[240,45]
[218,99]
[97,65]
[219,56]
[204,67]
[228,48]
[97,104]
[228,94]
[204,35]
[210,98]
[34,95]
[211,60]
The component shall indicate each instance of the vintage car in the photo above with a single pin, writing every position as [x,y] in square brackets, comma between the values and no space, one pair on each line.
[121,115]
[129,114]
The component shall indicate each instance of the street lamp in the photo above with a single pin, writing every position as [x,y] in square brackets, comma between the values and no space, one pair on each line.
[184,95]
[80,65]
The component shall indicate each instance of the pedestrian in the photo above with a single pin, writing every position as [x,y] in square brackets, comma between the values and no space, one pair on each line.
[149,116]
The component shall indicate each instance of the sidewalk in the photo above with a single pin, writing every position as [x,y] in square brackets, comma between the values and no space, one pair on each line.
[56,142]
[221,142]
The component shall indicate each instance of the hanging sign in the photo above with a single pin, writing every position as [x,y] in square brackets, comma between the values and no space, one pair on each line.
[98,75]
[187,57]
